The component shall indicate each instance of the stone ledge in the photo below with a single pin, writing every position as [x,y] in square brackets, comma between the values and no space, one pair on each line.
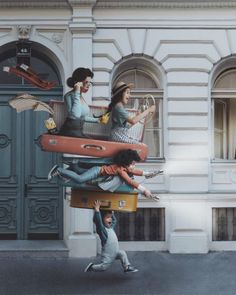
[33,249]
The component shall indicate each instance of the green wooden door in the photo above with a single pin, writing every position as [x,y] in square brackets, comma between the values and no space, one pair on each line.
[30,206]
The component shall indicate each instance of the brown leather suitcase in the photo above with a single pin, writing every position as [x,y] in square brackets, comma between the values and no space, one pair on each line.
[109,201]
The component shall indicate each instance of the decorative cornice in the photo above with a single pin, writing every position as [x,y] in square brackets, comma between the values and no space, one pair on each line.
[82,2]
[116,4]
[34,4]
[164,4]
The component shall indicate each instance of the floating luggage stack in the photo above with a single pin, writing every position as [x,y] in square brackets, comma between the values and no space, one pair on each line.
[95,150]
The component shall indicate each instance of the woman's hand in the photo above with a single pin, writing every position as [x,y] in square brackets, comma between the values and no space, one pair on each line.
[147,193]
[152,109]
[78,86]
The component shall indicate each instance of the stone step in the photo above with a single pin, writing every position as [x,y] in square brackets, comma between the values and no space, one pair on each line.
[33,249]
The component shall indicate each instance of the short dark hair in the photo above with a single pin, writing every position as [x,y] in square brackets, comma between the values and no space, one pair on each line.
[104,213]
[126,157]
[79,75]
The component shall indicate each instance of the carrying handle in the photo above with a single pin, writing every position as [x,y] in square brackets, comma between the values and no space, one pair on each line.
[92,146]
[105,204]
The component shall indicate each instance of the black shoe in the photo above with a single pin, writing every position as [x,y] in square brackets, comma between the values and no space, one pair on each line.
[130,269]
[53,172]
[89,267]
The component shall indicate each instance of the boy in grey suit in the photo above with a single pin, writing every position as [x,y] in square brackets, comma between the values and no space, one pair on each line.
[105,223]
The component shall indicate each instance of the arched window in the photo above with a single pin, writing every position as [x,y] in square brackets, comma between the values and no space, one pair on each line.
[39,62]
[224,114]
[146,80]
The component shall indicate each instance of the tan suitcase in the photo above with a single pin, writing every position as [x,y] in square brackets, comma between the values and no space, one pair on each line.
[109,201]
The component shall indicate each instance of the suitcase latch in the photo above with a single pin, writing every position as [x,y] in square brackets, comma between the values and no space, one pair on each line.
[122,204]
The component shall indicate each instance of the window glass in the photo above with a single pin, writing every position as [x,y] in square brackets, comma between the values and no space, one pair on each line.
[38,63]
[224,115]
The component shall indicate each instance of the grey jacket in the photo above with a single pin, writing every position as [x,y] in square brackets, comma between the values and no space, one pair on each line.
[100,227]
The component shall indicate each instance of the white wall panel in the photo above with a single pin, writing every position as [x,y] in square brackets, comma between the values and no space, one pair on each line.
[102,63]
[185,48]
[107,49]
[137,40]
[102,77]
[192,63]
[188,106]
[187,91]
[232,39]
[101,91]
[188,151]
[187,77]
[119,36]
[187,121]
[187,215]
[181,136]
[194,184]
[223,177]
[185,167]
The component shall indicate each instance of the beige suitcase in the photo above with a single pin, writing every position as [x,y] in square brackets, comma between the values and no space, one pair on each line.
[109,201]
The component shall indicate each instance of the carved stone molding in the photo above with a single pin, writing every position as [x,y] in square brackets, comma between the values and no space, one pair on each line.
[118,4]
[57,37]
[23,31]
[164,4]
[82,2]
[32,4]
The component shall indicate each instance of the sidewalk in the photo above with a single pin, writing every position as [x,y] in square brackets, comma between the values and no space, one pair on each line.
[159,274]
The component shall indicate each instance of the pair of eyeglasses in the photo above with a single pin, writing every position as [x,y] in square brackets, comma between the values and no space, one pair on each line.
[87,83]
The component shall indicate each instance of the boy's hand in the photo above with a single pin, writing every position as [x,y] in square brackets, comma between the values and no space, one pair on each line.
[97,205]
[147,193]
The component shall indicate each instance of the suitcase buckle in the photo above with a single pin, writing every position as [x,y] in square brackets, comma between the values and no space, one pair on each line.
[122,204]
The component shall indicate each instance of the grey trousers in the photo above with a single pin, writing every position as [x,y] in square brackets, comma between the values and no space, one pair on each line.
[107,261]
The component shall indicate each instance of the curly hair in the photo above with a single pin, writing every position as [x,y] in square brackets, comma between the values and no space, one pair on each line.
[126,157]
[79,75]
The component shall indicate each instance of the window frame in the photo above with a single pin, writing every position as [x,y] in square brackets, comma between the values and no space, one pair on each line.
[158,95]
[221,95]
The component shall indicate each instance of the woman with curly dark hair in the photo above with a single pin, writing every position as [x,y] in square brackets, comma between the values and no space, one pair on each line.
[123,167]
[78,109]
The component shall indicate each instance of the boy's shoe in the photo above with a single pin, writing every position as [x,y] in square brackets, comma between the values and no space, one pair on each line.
[130,269]
[89,267]
[53,172]
[154,173]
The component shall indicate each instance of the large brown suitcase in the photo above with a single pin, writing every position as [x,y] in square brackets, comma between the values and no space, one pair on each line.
[109,201]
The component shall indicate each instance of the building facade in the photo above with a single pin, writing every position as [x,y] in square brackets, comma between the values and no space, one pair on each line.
[181,52]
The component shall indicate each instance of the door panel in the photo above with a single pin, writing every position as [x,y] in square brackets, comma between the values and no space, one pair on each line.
[30,206]
[9,180]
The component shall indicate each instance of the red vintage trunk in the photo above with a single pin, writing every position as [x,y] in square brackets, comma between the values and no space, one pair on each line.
[88,147]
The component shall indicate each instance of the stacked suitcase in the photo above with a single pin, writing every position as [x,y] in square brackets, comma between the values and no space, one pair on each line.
[96,151]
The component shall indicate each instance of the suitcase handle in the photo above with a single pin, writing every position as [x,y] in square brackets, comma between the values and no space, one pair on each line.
[105,204]
[93,146]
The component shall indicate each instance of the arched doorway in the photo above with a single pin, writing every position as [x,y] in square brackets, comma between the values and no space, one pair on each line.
[30,206]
